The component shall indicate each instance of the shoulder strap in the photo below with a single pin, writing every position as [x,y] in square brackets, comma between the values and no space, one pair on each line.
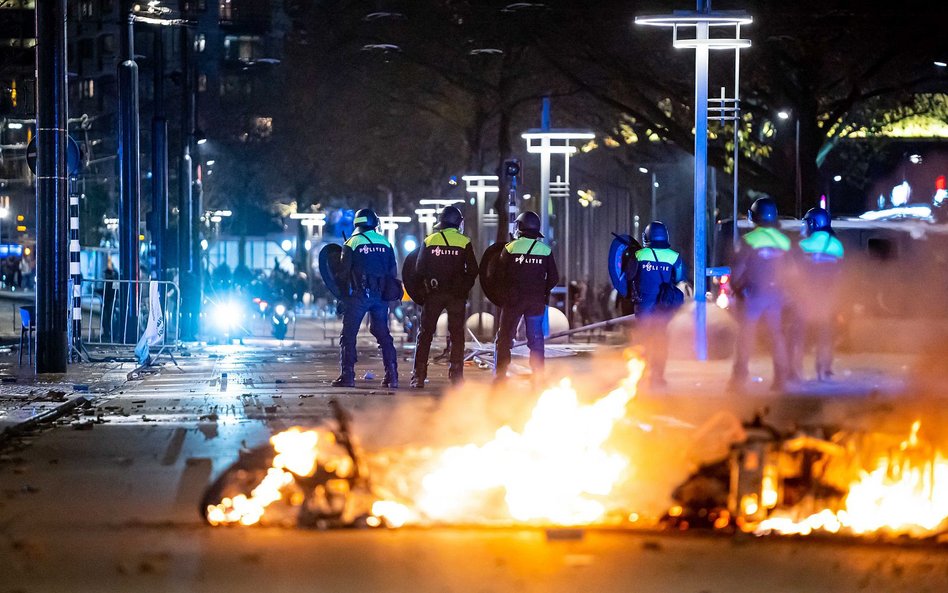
[445,239]
[655,255]
[368,238]
[532,245]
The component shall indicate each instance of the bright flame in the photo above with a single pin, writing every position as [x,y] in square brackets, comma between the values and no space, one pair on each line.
[556,471]
[297,452]
[906,492]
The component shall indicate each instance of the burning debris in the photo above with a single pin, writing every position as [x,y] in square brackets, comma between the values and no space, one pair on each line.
[848,482]
[308,478]
[582,461]
[557,470]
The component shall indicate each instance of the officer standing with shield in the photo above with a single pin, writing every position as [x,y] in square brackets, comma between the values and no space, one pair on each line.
[368,277]
[446,268]
[526,272]
[653,273]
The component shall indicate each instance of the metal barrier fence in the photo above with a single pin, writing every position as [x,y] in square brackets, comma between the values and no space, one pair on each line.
[106,305]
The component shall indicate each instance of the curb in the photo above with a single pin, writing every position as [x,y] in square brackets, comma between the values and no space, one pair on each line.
[47,416]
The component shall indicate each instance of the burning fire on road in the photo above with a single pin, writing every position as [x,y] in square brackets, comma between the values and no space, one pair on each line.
[904,491]
[570,461]
[559,469]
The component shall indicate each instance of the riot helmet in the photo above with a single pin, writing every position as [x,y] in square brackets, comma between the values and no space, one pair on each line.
[655,235]
[763,212]
[450,218]
[816,219]
[528,225]
[366,219]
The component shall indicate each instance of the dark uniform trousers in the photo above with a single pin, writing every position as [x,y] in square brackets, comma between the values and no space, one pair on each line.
[768,307]
[435,303]
[510,315]
[820,320]
[653,324]
[356,308]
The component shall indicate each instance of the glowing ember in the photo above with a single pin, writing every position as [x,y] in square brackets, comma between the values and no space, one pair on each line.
[556,471]
[906,492]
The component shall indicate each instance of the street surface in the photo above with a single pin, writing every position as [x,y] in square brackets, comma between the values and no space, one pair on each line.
[107,498]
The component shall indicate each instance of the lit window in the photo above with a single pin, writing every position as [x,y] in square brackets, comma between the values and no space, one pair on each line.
[88,88]
[199,42]
[226,10]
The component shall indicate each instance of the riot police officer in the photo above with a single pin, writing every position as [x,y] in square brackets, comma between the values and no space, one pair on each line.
[651,267]
[448,267]
[527,272]
[758,276]
[368,267]
[819,261]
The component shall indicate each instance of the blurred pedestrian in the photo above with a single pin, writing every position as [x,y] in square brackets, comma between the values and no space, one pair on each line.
[653,273]
[26,273]
[819,257]
[758,277]
[448,266]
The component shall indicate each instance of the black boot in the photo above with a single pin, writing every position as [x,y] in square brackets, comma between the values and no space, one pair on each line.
[345,379]
[391,377]
[417,382]
[456,372]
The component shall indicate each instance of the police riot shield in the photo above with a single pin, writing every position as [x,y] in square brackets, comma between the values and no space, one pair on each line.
[413,281]
[622,248]
[330,262]
[494,293]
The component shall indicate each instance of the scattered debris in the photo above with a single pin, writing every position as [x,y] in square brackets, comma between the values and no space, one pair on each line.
[212,417]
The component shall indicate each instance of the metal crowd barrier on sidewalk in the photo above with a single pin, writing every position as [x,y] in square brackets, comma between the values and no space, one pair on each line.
[106,305]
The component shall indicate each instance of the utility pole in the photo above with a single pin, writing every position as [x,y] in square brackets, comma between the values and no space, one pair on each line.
[129,154]
[52,257]
[187,269]
[701,19]
[159,159]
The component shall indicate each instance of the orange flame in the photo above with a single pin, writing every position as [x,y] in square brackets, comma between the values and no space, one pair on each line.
[904,493]
[297,452]
[556,471]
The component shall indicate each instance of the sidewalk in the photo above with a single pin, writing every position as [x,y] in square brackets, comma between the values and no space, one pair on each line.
[24,398]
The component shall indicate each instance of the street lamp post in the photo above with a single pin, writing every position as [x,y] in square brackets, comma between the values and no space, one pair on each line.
[701,20]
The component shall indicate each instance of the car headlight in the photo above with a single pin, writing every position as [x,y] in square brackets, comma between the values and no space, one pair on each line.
[226,314]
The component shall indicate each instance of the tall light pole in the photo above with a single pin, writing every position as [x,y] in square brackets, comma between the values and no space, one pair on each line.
[701,20]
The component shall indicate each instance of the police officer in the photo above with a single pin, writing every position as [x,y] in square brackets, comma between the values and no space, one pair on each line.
[652,266]
[819,261]
[758,275]
[527,272]
[448,266]
[368,267]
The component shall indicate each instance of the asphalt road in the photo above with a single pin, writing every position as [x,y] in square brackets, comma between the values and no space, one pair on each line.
[113,506]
